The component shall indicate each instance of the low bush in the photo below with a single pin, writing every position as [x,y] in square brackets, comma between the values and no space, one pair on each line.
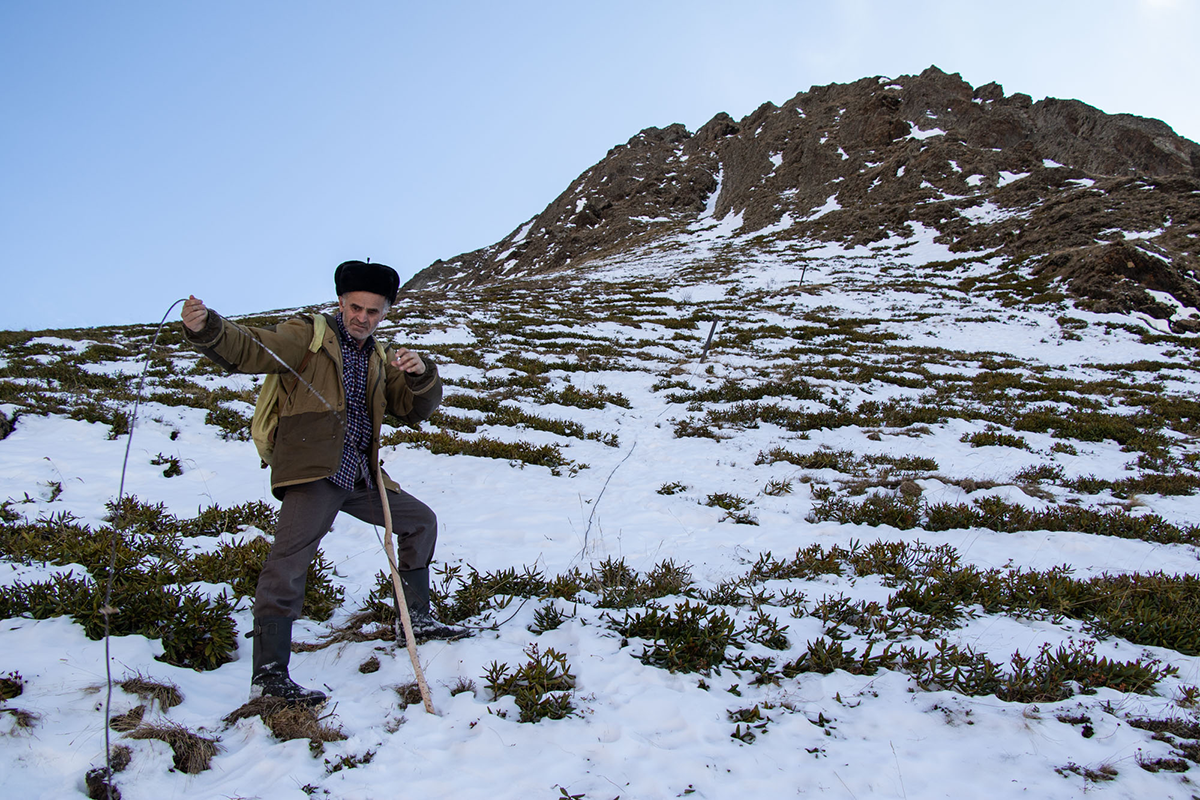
[994,439]
[151,573]
[442,443]
[542,687]
[905,513]
[688,638]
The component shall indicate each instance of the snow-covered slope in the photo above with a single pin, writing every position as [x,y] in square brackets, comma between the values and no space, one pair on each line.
[728,499]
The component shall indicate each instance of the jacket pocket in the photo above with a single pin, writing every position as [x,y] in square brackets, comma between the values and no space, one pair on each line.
[307,445]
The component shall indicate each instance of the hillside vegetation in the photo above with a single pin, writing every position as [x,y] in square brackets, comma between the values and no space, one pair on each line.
[896,472]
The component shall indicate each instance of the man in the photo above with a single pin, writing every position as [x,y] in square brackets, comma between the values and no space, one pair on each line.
[325,452]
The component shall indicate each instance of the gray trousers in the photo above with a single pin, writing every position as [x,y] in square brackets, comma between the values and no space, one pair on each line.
[307,515]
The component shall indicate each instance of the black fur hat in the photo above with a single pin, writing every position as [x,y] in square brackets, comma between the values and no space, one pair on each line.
[360,276]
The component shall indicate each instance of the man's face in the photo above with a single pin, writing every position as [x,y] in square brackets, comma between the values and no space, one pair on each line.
[361,313]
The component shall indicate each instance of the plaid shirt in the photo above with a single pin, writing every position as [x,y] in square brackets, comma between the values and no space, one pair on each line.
[355,360]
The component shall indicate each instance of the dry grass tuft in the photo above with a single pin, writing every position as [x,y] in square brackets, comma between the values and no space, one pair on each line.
[193,752]
[120,757]
[98,785]
[167,695]
[22,720]
[363,626]
[128,721]
[409,694]
[288,721]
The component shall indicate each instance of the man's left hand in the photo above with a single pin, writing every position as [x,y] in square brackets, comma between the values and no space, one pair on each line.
[408,361]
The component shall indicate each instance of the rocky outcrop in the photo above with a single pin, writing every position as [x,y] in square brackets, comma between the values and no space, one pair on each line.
[1052,182]
[1115,277]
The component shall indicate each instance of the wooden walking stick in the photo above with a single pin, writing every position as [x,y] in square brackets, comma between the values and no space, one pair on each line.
[397,586]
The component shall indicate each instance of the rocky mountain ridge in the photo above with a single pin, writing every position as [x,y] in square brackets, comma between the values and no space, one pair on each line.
[1108,202]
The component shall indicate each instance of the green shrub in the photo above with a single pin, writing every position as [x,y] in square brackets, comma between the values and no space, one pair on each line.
[196,631]
[734,508]
[904,464]
[547,618]
[442,443]
[996,514]
[994,439]
[201,632]
[739,391]
[234,425]
[824,656]
[900,512]
[542,687]
[151,570]
[838,460]
[688,638]
[598,397]
[461,596]
[808,563]
[173,465]
[777,488]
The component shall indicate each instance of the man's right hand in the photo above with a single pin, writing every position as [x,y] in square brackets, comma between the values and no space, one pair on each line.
[194,314]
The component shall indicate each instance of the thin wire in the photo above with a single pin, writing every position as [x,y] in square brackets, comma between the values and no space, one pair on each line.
[288,367]
[107,610]
[596,505]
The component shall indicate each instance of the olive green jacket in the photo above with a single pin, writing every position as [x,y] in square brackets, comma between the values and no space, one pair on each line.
[310,436]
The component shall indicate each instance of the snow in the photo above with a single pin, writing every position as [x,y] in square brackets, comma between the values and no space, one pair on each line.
[639,731]
[919,135]
[709,228]
[785,221]
[1142,235]
[1007,177]
[1169,300]
[710,204]
[56,342]
[831,205]
[458,334]
[922,249]
[524,232]
[988,212]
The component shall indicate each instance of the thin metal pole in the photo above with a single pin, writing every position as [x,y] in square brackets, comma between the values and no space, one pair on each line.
[711,331]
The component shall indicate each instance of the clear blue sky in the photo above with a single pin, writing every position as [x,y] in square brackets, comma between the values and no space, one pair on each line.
[240,150]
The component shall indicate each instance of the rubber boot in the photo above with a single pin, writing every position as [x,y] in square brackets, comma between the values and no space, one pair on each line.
[416,596]
[272,652]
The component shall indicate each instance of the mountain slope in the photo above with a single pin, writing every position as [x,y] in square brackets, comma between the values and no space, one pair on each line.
[1046,184]
[948,528]
[916,522]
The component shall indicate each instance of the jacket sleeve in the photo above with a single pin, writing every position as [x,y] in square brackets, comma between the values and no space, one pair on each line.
[413,398]
[240,348]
